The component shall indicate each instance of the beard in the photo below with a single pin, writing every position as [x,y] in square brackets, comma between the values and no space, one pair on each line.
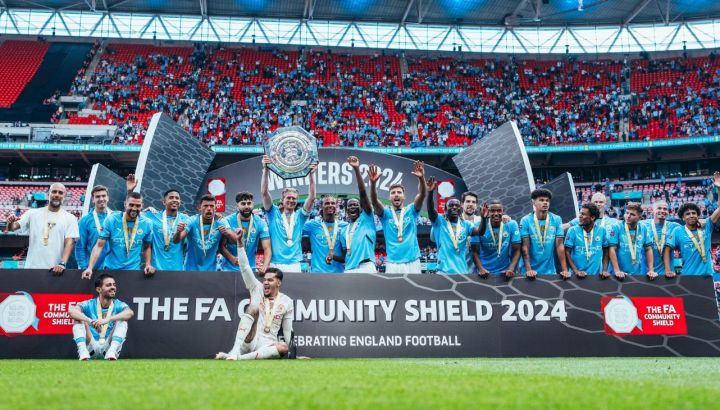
[246,214]
[55,203]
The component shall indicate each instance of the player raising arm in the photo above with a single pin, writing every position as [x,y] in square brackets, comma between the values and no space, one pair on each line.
[268,311]
[399,221]
[358,237]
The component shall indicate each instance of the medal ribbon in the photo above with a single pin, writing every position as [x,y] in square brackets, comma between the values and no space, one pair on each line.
[542,235]
[399,220]
[165,232]
[271,309]
[631,243]
[202,232]
[661,242]
[331,241]
[98,225]
[49,225]
[349,234]
[588,241]
[104,328]
[289,225]
[129,242]
[249,229]
[454,233]
[498,243]
[698,241]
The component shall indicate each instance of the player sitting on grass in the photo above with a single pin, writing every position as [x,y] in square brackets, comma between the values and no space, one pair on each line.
[269,310]
[99,321]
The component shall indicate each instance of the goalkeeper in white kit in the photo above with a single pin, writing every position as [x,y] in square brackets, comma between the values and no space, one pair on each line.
[269,310]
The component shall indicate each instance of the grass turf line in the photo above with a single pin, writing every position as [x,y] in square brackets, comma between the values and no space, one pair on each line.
[366,383]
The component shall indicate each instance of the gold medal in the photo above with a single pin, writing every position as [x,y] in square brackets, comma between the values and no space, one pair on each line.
[631,243]
[659,243]
[498,243]
[289,225]
[271,309]
[399,220]
[129,242]
[454,233]
[98,225]
[245,232]
[331,240]
[49,225]
[167,232]
[103,328]
[542,235]
[350,234]
[698,241]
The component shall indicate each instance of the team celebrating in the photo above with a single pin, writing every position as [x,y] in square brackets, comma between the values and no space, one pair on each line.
[470,239]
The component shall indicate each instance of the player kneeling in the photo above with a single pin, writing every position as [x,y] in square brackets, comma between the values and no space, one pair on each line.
[269,310]
[100,324]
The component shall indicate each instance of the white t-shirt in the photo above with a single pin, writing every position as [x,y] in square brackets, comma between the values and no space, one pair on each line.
[34,223]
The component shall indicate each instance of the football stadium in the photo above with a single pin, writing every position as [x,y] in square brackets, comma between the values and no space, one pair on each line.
[379,203]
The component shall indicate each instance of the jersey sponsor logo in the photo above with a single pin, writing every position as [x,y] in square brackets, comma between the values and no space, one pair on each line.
[626,316]
[24,314]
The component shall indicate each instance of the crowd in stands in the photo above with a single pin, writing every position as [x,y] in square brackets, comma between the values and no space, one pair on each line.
[675,193]
[15,199]
[236,96]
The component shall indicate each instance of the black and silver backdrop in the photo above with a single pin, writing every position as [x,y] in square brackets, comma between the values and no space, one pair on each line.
[497,167]
[171,158]
[564,201]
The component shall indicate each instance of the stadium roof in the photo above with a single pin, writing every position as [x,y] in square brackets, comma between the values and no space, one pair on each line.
[447,12]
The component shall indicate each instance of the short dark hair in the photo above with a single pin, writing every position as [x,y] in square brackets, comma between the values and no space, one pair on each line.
[687,206]
[495,202]
[169,191]
[100,279]
[541,193]
[278,273]
[593,209]
[206,198]
[467,194]
[326,196]
[393,186]
[634,206]
[243,196]
[134,195]
[98,188]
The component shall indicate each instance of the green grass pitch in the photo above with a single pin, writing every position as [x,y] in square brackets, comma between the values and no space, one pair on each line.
[611,383]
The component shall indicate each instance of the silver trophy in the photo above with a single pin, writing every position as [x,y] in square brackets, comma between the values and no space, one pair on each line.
[292,151]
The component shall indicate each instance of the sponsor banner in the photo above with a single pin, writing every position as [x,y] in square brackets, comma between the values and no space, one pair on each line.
[195,315]
[216,188]
[644,315]
[22,313]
